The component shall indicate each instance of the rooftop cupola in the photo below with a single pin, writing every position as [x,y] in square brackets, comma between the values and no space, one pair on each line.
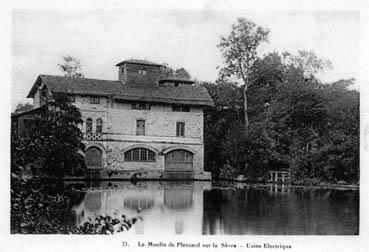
[139,72]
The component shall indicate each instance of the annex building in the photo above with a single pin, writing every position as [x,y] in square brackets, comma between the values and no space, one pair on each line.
[139,126]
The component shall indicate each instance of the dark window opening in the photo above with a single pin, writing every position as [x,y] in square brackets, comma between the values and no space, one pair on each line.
[89,126]
[99,125]
[94,100]
[181,108]
[139,155]
[72,98]
[141,106]
[180,129]
[140,127]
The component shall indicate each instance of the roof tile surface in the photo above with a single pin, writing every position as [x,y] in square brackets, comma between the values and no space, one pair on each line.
[190,95]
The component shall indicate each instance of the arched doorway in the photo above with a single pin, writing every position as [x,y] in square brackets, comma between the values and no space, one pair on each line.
[93,157]
[179,164]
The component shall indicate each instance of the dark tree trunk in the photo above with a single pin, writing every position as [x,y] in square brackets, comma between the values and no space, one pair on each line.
[245,109]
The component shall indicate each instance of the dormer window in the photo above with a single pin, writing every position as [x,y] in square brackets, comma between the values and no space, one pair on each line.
[177,108]
[141,106]
[142,72]
[72,98]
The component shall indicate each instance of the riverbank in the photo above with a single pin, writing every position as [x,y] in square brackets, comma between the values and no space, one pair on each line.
[238,183]
[297,184]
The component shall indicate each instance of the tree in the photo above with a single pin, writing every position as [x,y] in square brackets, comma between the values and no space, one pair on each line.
[71,67]
[239,50]
[307,62]
[168,71]
[55,138]
[183,73]
[22,107]
[217,120]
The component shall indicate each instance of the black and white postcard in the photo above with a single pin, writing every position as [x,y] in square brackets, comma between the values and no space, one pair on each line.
[200,126]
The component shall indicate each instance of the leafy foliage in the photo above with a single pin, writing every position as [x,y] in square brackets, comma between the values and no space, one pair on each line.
[239,50]
[307,62]
[55,138]
[168,71]
[105,225]
[296,123]
[50,150]
[71,67]
[22,107]
[34,209]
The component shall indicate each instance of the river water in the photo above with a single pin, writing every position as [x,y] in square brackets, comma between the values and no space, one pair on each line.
[203,208]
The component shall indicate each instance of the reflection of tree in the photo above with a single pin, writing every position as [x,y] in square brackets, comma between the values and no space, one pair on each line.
[74,198]
[255,211]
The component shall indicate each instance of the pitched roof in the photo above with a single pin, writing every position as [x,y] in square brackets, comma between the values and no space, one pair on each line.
[175,79]
[139,62]
[30,111]
[190,95]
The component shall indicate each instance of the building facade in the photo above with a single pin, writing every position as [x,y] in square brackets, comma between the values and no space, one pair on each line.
[139,126]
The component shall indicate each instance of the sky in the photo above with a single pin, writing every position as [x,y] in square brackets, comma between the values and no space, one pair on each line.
[181,38]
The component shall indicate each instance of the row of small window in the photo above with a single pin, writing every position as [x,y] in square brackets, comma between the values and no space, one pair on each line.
[146,106]
[136,106]
[99,126]
[140,128]
[93,99]
[140,71]
[146,155]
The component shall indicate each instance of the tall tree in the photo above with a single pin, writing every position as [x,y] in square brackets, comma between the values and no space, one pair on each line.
[71,67]
[239,50]
[55,137]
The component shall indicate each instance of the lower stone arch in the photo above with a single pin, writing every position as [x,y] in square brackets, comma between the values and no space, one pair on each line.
[144,146]
[169,149]
[94,156]
[179,164]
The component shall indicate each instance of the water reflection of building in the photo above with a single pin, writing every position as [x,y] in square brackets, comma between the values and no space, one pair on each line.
[178,198]
[177,206]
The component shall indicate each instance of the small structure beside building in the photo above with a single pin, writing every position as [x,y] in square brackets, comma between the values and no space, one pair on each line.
[139,126]
[279,177]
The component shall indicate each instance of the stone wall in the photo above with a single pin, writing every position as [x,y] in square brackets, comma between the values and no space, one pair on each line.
[119,135]
[115,155]
[119,121]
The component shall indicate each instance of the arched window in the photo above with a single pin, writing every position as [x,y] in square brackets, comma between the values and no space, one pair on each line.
[99,124]
[89,125]
[139,155]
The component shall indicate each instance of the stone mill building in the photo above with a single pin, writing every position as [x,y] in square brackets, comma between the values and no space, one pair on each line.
[139,126]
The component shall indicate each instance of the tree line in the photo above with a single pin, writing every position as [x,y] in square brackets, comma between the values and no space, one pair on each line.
[273,113]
